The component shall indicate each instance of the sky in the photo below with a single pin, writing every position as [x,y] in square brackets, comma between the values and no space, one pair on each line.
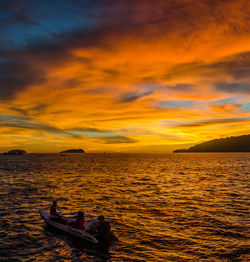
[123,75]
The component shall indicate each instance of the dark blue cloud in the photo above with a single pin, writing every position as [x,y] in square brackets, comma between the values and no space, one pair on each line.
[16,76]
[231,100]
[117,140]
[168,104]
[137,94]
[237,66]
[25,21]
[215,121]
[234,87]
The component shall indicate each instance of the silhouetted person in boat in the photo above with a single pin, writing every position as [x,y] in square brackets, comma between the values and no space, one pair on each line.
[93,224]
[103,232]
[80,221]
[53,209]
[55,215]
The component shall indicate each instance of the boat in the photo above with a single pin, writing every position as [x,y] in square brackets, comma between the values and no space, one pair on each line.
[66,227]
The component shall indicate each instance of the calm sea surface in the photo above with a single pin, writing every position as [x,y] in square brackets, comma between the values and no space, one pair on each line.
[172,207]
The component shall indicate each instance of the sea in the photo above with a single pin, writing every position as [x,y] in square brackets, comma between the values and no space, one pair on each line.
[161,207]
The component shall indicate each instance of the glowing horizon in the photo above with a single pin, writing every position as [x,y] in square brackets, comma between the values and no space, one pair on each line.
[123,76]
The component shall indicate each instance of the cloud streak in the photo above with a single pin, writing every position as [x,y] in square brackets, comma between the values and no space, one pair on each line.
[216,122]
[104,136]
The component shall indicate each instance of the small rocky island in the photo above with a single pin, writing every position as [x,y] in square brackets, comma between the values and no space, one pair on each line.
[229,144]
[74,151]
[15,152]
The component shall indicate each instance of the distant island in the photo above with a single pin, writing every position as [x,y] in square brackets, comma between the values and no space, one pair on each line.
[73,151]
[229,144]
[15,152]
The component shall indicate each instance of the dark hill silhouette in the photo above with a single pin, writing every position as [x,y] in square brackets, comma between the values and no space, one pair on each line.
[15,152]
[73,151]
[229,144]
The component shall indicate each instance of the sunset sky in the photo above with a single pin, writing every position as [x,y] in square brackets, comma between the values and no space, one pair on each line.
[123,75]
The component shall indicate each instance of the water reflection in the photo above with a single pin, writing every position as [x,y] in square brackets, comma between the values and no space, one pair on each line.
[185,207]
[79,250]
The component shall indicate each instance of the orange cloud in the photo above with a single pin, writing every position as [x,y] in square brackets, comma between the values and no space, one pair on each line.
[109,87]
[225,107]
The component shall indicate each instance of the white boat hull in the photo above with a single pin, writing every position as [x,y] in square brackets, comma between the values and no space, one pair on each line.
[67,228]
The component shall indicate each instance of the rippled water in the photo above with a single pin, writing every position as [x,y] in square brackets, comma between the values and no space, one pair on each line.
[172,207]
